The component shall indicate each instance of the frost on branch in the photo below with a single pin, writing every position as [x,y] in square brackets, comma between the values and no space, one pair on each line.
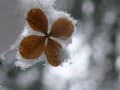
[46,35]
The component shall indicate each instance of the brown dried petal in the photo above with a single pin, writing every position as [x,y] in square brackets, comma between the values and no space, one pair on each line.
[31,47]
[62,29]
[52,52]
[37,20]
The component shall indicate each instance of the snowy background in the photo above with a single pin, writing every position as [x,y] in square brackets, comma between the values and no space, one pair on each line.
[95,49]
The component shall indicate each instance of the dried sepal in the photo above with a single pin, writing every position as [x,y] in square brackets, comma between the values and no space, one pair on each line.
[52,52]
[31,47]
[62,29]
[37,20]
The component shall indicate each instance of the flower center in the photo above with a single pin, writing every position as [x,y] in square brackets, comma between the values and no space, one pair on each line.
[46,35]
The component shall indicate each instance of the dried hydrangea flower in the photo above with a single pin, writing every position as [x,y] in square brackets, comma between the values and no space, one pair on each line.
[45,36]
[33,46]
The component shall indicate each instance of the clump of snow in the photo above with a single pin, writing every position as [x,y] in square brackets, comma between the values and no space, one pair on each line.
[22,64]
[47,6]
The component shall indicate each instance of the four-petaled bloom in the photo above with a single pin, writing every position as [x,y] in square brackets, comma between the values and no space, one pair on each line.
[32,46]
